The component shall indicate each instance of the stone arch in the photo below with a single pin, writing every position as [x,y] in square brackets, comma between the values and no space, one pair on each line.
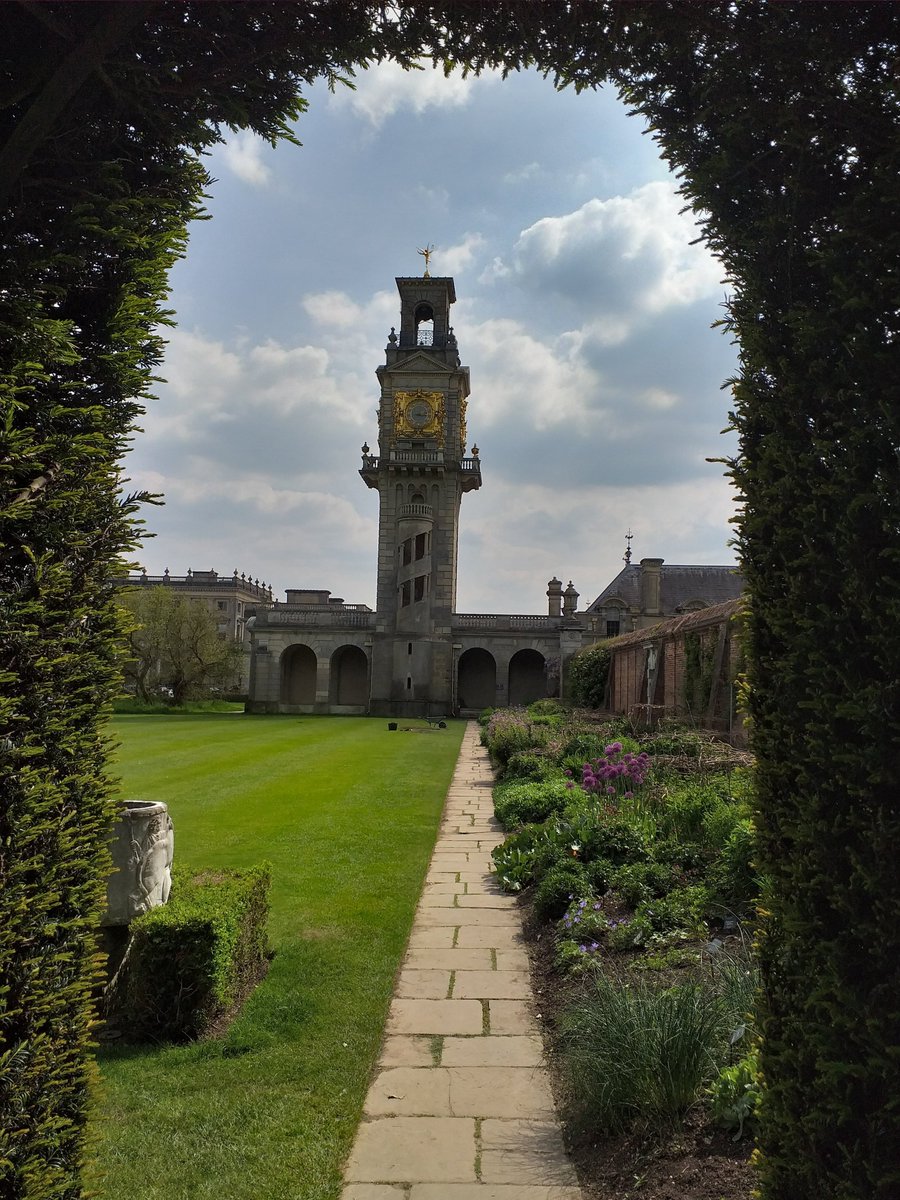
[526,677]
[298,675]
[349,676]
[476,679]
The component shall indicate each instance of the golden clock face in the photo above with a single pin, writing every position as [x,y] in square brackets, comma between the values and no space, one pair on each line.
[419,414]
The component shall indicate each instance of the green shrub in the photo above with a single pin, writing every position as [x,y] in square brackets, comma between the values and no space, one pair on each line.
[611,839]
[529,802]
[588,672]
[546,721]
[529,764]
[636,882]
[546,708]
[690,856]
[638,1053]
[588,745]
[192,961]
[524,854]
[559,885]
[696,810]
[484,716]
[600,872]
[734,878]
[682,908]
[509,731]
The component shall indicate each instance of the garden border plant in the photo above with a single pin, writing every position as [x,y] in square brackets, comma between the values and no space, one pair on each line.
[638,868]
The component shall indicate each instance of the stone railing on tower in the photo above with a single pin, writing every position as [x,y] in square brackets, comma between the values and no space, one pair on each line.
[422,511]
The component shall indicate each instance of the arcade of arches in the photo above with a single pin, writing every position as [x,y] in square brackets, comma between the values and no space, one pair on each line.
[347,674]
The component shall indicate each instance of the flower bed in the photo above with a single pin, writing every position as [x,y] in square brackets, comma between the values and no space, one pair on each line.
[637,866]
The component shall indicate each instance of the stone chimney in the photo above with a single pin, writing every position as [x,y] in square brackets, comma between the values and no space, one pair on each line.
[554,597]
[651,579]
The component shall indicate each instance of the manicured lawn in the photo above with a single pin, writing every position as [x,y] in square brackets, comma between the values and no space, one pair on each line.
[346,812]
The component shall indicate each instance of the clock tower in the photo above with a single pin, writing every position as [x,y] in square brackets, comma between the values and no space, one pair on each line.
[420,472]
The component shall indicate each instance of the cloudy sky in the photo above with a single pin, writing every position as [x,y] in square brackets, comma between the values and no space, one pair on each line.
[583,311]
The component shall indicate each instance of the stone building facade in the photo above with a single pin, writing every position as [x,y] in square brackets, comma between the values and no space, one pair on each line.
[415,655]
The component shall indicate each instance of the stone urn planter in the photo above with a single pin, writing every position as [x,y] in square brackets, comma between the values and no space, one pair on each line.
[142,846]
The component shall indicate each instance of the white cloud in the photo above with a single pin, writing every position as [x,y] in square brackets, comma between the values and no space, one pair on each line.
[621,260]
[526,174]
[242,154]
[451,260]
[387,88]
[522,379]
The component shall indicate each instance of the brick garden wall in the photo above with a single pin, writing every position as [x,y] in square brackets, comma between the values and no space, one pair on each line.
[684,668]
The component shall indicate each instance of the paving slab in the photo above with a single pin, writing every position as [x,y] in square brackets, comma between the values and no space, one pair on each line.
[524,1050]
[510,1016]
[494,936]
[500,1092]
[487,900]
[435,1016]
[411,1091]
[493,985]
[522,1149]
[414,1051]
[415,984]
[469,916]
[434,938]
[420,1149]
[375,1191]
[479,959]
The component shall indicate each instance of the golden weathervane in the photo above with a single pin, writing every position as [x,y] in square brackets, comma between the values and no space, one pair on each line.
[426,254]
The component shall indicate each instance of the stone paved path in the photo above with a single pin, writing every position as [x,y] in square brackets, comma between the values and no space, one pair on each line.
[460,1107]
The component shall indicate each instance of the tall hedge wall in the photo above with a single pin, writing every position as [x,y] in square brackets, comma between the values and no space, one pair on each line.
[782,120]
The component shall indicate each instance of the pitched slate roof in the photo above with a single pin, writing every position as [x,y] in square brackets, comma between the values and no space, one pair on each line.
[679,585]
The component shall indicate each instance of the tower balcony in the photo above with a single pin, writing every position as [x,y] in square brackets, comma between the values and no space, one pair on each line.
[427,462]
[416,512]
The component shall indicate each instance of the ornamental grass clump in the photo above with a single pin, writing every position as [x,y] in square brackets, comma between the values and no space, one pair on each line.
[639,1054]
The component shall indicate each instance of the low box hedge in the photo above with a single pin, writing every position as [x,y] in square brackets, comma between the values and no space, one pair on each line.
[192,962]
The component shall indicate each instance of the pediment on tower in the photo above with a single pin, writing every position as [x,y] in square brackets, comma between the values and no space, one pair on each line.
[421,362]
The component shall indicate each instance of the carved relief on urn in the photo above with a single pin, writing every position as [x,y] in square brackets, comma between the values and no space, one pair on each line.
[142,846]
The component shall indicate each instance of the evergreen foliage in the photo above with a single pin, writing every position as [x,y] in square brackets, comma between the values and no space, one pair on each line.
[782,123]
[191,961]
[588,673]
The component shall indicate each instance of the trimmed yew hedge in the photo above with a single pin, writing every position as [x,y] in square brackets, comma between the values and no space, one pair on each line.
[194,960]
